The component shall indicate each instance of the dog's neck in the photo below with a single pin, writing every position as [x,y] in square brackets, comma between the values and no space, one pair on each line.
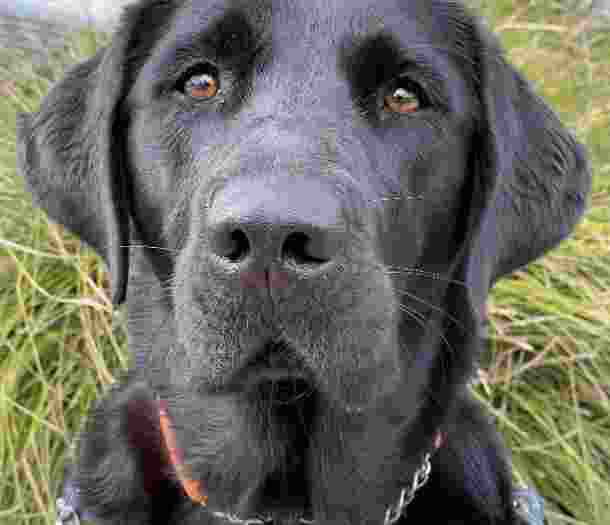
[307,477]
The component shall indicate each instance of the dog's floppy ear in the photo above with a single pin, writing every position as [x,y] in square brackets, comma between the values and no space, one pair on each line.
[69,154]
[531,176]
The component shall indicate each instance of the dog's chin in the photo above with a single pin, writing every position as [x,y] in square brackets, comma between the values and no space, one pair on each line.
[275,376]
[247,441]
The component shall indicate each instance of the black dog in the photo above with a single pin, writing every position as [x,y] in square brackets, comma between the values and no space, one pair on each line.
[304,205]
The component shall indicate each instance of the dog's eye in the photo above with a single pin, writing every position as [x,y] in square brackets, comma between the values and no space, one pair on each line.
[203,86]
[402,100]
[404,96]
[201,83]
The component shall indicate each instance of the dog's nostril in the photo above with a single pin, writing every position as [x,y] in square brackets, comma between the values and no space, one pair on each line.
[301,249]
[230,242]
[238,246]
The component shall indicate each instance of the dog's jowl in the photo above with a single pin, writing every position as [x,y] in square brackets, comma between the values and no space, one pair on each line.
[304,205]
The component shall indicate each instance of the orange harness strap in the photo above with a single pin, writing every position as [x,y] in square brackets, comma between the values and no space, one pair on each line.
[194,489]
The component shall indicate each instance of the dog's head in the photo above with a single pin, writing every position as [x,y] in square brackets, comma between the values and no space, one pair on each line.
[322,190]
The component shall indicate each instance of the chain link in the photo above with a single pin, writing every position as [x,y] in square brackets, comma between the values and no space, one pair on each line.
[395,512]
[66,514]
[236,520]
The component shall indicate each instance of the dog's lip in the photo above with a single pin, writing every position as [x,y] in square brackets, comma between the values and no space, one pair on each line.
[274,362]
[278,374]
[261,373]
[276,384]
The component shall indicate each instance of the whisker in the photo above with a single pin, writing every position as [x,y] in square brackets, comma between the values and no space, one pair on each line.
[421,320]
[434,307]
[395,270]
[160,248]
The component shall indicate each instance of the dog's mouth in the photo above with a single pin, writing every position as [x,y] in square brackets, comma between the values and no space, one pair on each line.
[283,390]
[276,374]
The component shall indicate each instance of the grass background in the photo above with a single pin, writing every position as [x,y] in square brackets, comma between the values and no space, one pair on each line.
[547,378]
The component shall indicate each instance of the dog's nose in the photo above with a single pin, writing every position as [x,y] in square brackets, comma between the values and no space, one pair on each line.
[295,226]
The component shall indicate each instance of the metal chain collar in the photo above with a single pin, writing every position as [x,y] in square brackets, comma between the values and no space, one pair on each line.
[528,504]
[68,515]
[392,514]
[236,520]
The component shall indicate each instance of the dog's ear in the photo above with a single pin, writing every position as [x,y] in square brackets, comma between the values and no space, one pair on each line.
[69,154]
[531,176]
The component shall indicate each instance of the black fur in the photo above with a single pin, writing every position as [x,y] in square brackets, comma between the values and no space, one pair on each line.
[305,271]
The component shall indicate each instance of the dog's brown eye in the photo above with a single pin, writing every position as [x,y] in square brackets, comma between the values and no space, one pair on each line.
[402,100]
[202,87]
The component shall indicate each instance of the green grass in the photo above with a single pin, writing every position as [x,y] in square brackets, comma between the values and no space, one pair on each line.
[547,380]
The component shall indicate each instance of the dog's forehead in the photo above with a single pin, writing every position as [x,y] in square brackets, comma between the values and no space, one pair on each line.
[313,24]
[312,15]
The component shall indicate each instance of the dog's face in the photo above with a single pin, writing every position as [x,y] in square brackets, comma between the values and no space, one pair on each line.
[318,195]
[301,163]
